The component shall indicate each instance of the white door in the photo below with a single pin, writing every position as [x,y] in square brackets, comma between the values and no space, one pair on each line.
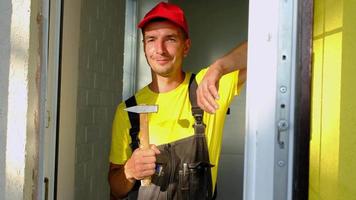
[47,176]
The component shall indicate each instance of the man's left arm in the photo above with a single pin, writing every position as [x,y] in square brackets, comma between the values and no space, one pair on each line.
[207,92]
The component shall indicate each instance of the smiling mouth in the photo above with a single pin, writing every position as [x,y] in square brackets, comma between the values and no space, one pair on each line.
[162,61]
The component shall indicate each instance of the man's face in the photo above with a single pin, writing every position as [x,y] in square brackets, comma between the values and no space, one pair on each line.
[165,47]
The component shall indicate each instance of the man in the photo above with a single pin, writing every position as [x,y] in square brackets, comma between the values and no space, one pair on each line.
[181,145]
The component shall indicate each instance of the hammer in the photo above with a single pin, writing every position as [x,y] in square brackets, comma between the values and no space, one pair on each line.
[144,110]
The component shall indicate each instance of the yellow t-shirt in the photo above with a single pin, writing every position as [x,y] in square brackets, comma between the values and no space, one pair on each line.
[174,119]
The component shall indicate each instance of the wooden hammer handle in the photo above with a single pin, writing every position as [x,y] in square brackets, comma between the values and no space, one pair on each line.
[144,141]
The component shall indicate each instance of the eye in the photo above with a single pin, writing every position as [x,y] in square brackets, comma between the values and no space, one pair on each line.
[150,39]
[171,39]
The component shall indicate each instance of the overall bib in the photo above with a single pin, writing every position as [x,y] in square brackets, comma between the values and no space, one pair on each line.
[183,169]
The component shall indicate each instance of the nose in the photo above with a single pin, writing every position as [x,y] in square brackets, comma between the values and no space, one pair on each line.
[160,47]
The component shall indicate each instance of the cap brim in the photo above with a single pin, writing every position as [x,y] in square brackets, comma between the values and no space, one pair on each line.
[148,19]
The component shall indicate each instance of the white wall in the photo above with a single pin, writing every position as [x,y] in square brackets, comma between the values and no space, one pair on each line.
[19,105]
[5,46]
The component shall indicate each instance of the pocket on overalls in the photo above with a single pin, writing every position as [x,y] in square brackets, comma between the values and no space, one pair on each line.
[195,181]
[162,172]
[183,182]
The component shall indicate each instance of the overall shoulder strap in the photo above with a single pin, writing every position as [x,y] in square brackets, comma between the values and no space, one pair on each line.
[135,123]
[134,130]
[197,112]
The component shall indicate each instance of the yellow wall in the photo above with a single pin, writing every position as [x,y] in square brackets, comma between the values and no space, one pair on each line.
[333,143]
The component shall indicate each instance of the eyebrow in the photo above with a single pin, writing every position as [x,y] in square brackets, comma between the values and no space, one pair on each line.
[174,35]
[148,37]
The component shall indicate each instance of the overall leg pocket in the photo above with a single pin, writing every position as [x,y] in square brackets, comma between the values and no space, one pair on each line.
[200,180]
[183,182]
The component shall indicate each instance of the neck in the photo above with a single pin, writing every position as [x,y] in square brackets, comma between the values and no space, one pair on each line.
[162,84]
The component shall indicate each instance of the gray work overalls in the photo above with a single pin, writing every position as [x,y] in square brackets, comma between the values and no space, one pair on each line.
[183,169]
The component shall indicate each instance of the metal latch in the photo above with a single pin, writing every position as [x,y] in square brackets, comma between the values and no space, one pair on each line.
[282,126]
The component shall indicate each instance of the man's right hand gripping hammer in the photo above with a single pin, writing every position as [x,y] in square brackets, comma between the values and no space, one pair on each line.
[141,165]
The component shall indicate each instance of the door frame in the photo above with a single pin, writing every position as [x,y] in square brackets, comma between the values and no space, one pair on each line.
[261,165]
[278,129]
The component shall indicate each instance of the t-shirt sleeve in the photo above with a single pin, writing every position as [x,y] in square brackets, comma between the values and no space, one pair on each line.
[120,149]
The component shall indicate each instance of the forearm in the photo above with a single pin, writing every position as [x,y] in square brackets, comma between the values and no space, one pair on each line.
[119,184]
[207,92]
[236,59]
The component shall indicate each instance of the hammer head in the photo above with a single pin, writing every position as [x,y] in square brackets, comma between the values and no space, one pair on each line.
[143,108]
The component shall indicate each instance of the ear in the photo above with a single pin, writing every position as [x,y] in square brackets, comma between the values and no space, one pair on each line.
[187,45]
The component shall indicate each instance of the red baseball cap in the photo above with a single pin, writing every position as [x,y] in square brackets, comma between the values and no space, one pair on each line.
[167,11]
